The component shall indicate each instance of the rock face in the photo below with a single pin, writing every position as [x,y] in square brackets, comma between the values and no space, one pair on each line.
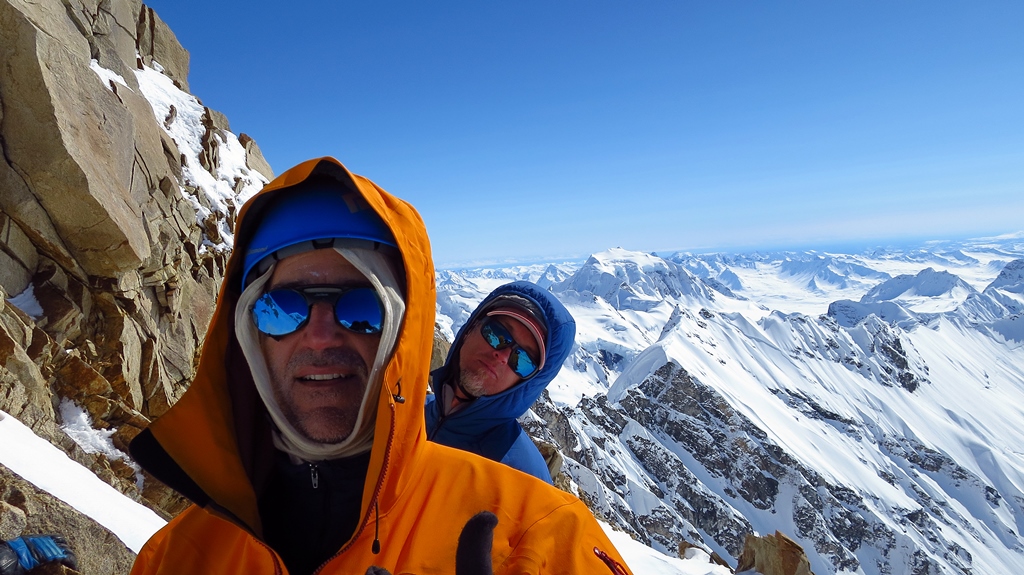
[774,555]
[25,510]
[108,278]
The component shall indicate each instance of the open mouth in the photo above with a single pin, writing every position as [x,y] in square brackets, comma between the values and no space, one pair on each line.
[322,377]
[326,379]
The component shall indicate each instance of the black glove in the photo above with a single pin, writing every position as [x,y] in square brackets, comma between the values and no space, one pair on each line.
[473,556]
[23,554]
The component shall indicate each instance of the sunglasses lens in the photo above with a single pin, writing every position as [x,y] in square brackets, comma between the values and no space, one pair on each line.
[359,310]
[280,312]
[521,363]
[498,337]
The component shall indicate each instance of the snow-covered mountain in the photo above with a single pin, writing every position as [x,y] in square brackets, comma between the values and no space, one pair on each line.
[867,405]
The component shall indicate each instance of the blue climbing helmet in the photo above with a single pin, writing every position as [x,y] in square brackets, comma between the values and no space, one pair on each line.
[310,216]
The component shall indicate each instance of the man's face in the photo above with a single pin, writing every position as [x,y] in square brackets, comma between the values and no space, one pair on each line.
[484,370]
[319,373]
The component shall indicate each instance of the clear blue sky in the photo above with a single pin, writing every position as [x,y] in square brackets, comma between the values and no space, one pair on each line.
[538,130]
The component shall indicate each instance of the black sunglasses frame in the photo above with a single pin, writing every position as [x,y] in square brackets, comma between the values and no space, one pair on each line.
[330,294]
[503,333]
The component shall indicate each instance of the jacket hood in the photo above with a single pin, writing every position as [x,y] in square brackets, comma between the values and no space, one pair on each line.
[488,411]
[214,444]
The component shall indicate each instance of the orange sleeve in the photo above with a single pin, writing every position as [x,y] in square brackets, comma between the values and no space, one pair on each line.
[198,542]
[568,540]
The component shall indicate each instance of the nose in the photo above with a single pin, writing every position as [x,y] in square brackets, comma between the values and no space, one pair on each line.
[502,353]
[322,331]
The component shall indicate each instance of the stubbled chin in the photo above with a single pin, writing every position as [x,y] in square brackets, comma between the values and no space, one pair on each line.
[326,411]
[327,425]
[475,381]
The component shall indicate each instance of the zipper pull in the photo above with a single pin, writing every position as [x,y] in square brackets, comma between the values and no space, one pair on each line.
[314,476]
[615,566]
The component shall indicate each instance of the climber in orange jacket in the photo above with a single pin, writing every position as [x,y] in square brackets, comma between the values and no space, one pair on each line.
[301,441]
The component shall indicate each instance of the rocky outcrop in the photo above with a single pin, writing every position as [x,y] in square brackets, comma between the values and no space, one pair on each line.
[713,557]
[439,350]
[716,444]
[155,42]
[26,510]
[773,555]
[109,278]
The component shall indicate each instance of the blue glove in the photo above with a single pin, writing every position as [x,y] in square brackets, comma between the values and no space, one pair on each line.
[9,563]
[23,554]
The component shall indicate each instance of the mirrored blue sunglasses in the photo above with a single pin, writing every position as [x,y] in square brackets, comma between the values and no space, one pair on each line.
[283,311]
[498,337]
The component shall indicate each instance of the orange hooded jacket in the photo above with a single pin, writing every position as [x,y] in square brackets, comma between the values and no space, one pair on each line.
[213,446]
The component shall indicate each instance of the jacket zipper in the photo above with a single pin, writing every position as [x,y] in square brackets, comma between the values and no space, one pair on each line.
[376,494]
[314,476]
[273,555]
[612,564]
[441,420]
[437,428]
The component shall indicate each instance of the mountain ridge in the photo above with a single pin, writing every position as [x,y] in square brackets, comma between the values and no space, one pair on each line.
[880,441]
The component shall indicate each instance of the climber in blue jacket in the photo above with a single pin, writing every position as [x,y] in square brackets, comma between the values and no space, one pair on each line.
[499,364]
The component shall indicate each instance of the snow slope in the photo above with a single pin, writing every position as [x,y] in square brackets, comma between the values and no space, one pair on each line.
[867,405]
[50,469]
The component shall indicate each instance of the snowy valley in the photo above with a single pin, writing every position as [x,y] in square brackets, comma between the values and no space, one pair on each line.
[867,405]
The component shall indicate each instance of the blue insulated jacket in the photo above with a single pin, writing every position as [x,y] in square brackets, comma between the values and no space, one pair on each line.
[487,426]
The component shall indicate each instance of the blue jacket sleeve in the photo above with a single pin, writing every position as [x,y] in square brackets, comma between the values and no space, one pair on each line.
[524,456]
